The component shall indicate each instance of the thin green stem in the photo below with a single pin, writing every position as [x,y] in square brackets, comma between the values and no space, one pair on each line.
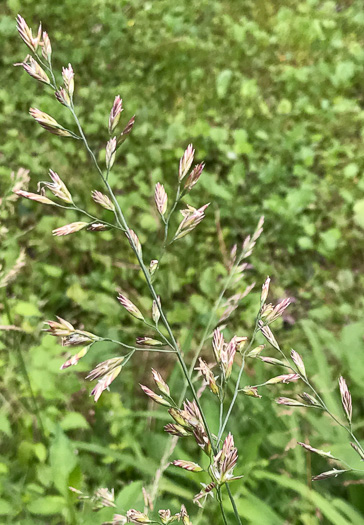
[222,428]
[233,504]
[24,369]
[218,492]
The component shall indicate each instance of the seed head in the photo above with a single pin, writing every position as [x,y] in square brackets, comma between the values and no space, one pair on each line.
[62,328]
[329,474]
[105,372]
[217,344]
[148,341]
[286,378]
[153,266]
[103,200]
[250,391]
[265,290]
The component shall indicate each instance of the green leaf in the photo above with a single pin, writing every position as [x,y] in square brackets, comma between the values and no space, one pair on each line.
[223,82]
[62,460]
[47,505]
[359,213]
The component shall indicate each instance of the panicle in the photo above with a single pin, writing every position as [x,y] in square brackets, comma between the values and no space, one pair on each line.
[34,197]
[269,313]
[98,227]
[103,497]
[186,162]
[191,218]
[110,153]
[33,69]
[68,79]
[115,113]
[26,34]
[225,462]
[73,227]
[103,200]
[160,197]
[130,307]
[49,123]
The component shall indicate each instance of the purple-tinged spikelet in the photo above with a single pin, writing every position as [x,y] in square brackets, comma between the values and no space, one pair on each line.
[57,187]
[206,490]
[217,344]
[191,218]
[73,227]
[194,176]
[329,474]
[130,307]
[346,399]
[156,310]
[160,197]
[135,516]
[49,123]
[26,34]
[46,47]
[265,290]
[126,131]
[148,341]
[285,378]
[110,153]
[157,398]
[63,97]
[34,197]
[316,450]
[75,358]
[186,162]
[251,391]
[187,465]
[105,372]
[33,69]
[287,401]
[134,242]
[161,384]
[103,200]
[115,113]
[298,361]
[68,79]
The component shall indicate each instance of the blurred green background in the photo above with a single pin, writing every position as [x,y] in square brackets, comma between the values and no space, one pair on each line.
[271,94]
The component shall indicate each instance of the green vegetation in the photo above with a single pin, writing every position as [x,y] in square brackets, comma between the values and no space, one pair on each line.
[271,95]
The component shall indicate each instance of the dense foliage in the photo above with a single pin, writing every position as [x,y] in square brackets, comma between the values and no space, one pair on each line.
[271,95]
